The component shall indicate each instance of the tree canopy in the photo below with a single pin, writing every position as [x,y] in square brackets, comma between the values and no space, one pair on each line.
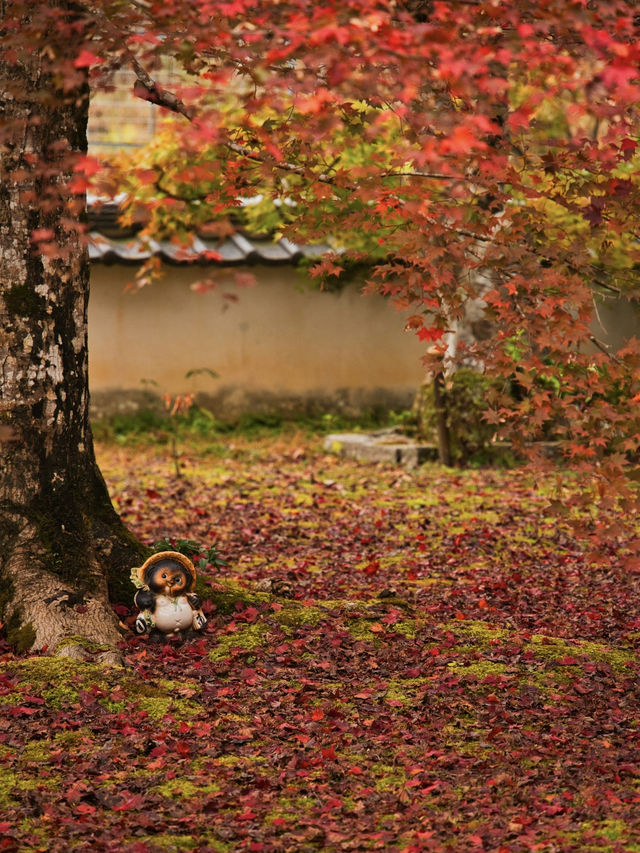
[471,150]
[466,151]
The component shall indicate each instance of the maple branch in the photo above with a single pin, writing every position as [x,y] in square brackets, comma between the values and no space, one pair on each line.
[603,284]
[603,348]
[173,195]
[328,179]
[463,232]
[286,167]
[147,89]
[436,176]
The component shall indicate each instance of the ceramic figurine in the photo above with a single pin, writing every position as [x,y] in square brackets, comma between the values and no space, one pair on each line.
[165,598]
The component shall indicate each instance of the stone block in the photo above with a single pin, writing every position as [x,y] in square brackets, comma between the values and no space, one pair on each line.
[390,447]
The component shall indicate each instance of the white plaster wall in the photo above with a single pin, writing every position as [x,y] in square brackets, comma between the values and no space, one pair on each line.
[279,337]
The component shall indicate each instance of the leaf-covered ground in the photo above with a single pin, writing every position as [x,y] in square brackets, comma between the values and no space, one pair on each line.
[449,672]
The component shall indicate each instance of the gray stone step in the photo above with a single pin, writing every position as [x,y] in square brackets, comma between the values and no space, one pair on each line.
[385,446]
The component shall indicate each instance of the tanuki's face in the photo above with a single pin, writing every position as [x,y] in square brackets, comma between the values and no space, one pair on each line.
[169,580]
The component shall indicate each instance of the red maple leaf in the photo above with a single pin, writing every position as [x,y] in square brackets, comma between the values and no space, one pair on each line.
[86,59]
[430,333]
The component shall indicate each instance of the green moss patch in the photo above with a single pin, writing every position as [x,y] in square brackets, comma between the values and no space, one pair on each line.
[170,843]
[184,788]
[227,595]
[294,615]
[61,682]
[545,647]
[477,670]
[244,639]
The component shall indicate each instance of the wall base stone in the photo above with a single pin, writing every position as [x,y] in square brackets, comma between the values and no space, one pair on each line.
[230,403]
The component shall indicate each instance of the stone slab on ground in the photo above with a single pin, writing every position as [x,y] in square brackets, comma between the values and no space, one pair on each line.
[391,447]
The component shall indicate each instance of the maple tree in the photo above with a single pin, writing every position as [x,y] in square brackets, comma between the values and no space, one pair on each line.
[480,155]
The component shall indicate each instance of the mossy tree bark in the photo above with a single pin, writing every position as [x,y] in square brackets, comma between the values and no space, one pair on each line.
[62,545]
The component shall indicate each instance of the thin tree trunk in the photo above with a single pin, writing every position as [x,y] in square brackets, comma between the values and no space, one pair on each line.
[442,427]
[61,542]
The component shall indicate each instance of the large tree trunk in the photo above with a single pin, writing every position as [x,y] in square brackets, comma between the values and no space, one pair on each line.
[62,545]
